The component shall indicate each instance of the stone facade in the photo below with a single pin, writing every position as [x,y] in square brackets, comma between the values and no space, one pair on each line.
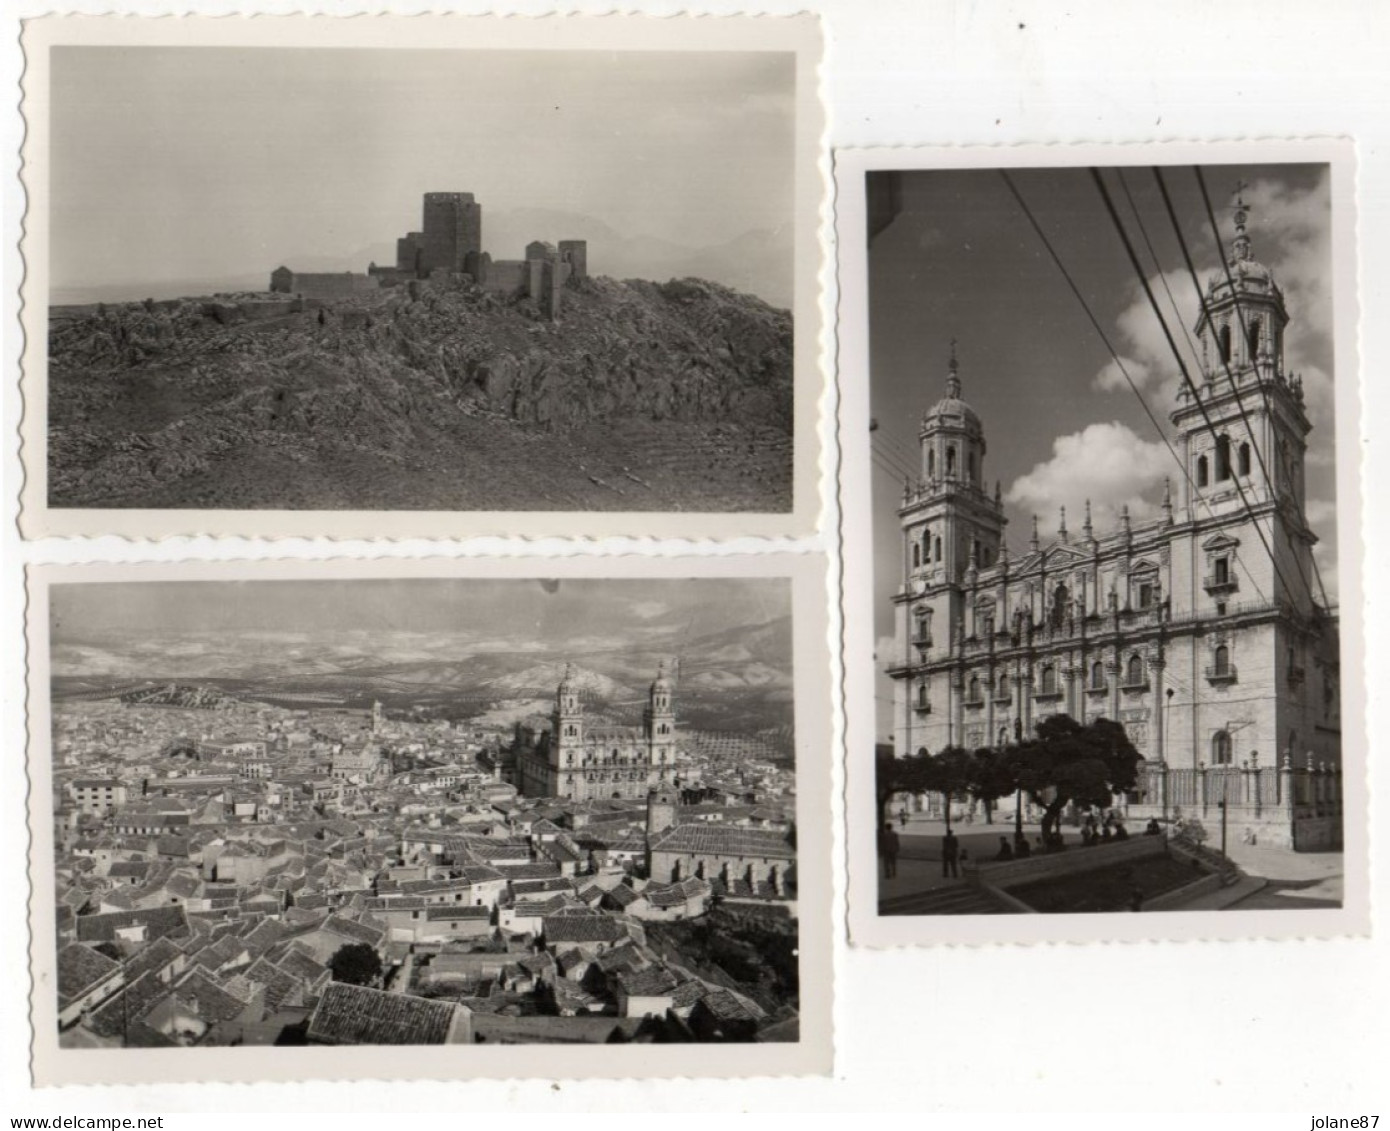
[1213,645]
[581,762]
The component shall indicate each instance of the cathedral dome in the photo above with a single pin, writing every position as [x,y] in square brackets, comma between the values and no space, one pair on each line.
[951,411]
[1242,269]
[661,683]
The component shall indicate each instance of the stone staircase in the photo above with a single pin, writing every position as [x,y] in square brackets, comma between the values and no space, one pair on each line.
[957,899]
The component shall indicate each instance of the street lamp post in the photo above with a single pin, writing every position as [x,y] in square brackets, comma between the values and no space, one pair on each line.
[1167,739]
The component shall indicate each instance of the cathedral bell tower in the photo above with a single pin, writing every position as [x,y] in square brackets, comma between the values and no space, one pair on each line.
[660,721]
[1247,425]
[566,726]
[949,520]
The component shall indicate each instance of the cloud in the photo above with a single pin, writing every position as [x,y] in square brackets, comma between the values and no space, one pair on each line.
[1105,463]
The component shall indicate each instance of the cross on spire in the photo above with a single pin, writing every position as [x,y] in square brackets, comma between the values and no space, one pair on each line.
[953,373]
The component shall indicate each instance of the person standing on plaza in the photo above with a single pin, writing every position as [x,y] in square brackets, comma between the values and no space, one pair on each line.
[950,855]
[888,847]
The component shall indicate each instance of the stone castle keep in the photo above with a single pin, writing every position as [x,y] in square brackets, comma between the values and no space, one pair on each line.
[449,247]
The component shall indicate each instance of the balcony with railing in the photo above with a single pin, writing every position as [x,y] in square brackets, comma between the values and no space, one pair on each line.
[1220,582]
[1221,673]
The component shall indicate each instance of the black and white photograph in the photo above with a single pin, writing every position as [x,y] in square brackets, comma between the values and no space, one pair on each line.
[457,813]
[309,285]
[1107,577]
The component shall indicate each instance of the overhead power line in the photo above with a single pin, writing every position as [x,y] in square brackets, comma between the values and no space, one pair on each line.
[1182,366]
[1245,335]
[1114,354]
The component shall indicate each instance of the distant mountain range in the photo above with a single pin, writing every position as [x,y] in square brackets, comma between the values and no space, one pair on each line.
[739,678]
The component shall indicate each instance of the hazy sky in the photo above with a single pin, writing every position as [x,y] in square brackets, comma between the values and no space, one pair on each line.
[182,163]
[962,261]
[100,627]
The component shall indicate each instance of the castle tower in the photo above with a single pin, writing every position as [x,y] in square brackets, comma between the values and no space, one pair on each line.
[660,723]
[452,228]
[378,717]
[1248,424]
[661,810]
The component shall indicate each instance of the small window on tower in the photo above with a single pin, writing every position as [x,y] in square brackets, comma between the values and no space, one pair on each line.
[1223,458]
[1244,459]
[950,463]
[1202,471]
[916,555]
[938,547]
[931,465]
[1223,343]
[1254,332]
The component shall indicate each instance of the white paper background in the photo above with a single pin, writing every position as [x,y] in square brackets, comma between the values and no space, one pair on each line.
[1299,1027]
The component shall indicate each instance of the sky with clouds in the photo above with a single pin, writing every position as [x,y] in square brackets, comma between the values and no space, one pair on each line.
[961,261]
[188,163]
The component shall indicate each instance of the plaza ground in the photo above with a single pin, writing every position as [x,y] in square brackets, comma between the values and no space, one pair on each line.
[1280,880]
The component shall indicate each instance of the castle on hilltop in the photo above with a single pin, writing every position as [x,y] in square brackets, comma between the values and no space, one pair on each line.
[449,248]
[581,762]
[1203,631]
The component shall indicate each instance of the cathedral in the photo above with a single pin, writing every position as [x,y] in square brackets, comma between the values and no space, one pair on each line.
[1201,630]
[584,762]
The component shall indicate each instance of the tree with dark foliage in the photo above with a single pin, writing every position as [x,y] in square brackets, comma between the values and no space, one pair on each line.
[1068,761]
[357,964]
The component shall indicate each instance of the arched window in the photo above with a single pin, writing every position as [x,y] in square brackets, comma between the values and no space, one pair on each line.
[1201,471]
[1049,680]
[931,464]
[1098,675]
[1134,673]
[950,463]
[1244,460]
[937,556]
[922,752]
[1221,749]
[974,692]
[1221,660]
[1223,458]
[916,555]
[1003,685]
[1253,330]
[1223,342]
[922,695]
[1003,739]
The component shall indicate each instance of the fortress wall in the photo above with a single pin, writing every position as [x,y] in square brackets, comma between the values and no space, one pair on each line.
[342,284]
[507,275]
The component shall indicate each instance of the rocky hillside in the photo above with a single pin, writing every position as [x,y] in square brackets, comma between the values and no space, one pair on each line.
[642,396]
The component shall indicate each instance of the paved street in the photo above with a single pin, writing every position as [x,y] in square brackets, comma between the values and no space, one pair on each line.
[1297,880]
